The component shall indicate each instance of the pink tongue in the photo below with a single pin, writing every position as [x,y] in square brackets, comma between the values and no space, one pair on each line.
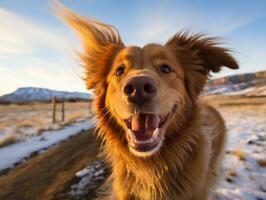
[144,124]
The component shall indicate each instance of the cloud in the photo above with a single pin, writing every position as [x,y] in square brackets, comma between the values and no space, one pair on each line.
[158,23]
[41,73]
[11,47]
[35,54]
[20,35]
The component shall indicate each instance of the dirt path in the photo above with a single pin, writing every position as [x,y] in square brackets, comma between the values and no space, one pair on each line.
[49,174]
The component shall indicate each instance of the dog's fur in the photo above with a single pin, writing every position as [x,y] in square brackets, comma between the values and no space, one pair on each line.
[186,164]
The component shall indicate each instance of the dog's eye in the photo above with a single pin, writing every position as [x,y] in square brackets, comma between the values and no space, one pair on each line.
[120,70]
[165,68]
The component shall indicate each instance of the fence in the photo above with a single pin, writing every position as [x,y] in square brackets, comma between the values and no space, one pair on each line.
[61,102]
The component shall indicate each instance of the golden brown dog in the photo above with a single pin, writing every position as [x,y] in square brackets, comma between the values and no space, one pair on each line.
[161,142]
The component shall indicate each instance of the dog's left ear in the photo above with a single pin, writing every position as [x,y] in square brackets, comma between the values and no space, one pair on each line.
[199,55]
[101,42]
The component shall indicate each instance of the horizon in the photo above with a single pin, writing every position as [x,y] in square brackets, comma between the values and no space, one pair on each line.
[37,49]
[90,92]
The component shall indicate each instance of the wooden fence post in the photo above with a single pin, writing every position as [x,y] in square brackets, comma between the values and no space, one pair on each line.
[54,108]
[63,110]
[90,109]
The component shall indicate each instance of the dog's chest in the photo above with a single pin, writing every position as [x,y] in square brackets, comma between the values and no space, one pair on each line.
[155,187]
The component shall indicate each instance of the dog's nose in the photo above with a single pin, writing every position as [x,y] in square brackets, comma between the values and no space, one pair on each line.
[140,89]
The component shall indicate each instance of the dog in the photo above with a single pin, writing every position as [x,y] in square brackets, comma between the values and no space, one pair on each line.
[161,140]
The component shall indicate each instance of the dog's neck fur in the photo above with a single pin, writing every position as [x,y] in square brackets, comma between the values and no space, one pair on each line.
[160,176]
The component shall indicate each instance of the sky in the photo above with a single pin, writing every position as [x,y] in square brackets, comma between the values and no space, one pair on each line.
[38,50]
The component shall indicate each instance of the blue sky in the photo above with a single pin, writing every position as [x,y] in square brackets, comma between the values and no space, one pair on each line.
[36,49]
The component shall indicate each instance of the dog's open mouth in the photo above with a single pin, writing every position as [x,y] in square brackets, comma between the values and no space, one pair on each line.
[145,131]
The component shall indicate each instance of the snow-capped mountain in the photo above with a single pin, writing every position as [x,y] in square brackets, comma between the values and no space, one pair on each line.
[250,84]
[33,94]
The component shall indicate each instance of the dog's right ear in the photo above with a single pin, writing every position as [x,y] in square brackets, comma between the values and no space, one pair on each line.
[101,42]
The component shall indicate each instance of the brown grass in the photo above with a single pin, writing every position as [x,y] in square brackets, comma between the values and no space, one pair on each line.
[26,123]
[5,123]
[73,117]
[41,130]
[38,117]
[240,154]
[262,162]
[232,173]
[218,101]
[7,140]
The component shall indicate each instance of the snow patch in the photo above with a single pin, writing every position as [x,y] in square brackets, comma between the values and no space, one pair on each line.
[244,178]
[90,177]
[15,153]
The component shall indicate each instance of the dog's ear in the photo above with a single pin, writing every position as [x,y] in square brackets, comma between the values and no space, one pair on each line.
[101,42]
[199,55]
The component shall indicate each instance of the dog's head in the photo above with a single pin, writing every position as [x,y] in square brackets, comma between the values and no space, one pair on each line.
[145,93]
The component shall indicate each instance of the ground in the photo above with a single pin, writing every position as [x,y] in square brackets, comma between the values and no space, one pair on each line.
[49,176]
[19,122]
[245,158]
[69,171]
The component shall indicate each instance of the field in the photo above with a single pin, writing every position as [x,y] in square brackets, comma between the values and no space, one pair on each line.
[235,100]
[68,171]
[50,175]
[245,160]
[19,122]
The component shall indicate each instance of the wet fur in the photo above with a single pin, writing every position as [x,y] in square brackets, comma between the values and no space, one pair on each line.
[187,164]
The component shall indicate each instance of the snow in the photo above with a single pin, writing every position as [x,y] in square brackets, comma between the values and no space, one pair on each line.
[229,88]
[89,177]
[19,122]
[29,94]
[15,153]
[252,87]
[244,178]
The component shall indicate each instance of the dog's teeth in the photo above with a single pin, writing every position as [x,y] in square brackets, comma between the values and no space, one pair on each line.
[140,142]
[155,133]
[136,141]
[144,141]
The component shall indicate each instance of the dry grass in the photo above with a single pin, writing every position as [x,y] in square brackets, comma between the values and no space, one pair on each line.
[27,123]
[6,123]
[240,154]
[232,173]
[24,121]
[230,176]
[262,162]
[7,140]
[32,119]
[74,117]
[235,101]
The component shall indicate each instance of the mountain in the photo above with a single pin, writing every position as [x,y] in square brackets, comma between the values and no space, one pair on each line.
[249,84]
[33,94]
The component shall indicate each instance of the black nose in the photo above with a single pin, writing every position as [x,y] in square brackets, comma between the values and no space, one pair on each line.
[140,89]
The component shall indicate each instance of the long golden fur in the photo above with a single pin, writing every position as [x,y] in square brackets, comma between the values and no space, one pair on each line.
[185,162]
